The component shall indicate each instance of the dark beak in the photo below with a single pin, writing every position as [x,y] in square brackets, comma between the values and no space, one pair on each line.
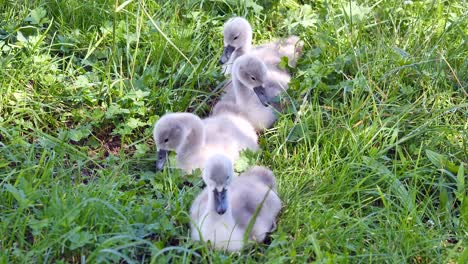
[227,52]
[220,201]
[260,92]
[162,157]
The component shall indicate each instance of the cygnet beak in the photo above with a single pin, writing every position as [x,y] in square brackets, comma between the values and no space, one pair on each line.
[227,52]
[161,160]
[260,92]
[220,201]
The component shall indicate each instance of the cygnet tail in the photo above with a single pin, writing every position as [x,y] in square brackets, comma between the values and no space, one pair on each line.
[292,48]
[263,175]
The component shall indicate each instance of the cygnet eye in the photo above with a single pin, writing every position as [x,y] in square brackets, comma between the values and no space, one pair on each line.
[166,140]
[253,78]
[236,37]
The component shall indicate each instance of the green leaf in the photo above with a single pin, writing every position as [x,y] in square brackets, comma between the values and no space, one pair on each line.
[115,110]
[356,11]
[464,213]
[255,7]
[297,133]
[284,63]
[141,94]
[122,130]
[440,161]
[444,200]
[134,123]
[21,38]
[403,53]
[37,225]
[37,16]
[304,16]
[80,133]
[19,195]
[79,239]
[460,193]
[141,149]
[241,164]
[463,256]
[246,160]
[82,82]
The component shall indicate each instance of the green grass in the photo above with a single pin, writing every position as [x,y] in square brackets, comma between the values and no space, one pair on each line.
[371,154]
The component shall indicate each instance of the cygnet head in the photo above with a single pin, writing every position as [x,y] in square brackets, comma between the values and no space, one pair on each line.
[168,135]
[217,175]
[237,35]
[252,73]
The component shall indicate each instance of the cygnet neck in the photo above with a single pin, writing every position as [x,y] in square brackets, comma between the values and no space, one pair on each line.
[244,48]
[241,91]
[195,135]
